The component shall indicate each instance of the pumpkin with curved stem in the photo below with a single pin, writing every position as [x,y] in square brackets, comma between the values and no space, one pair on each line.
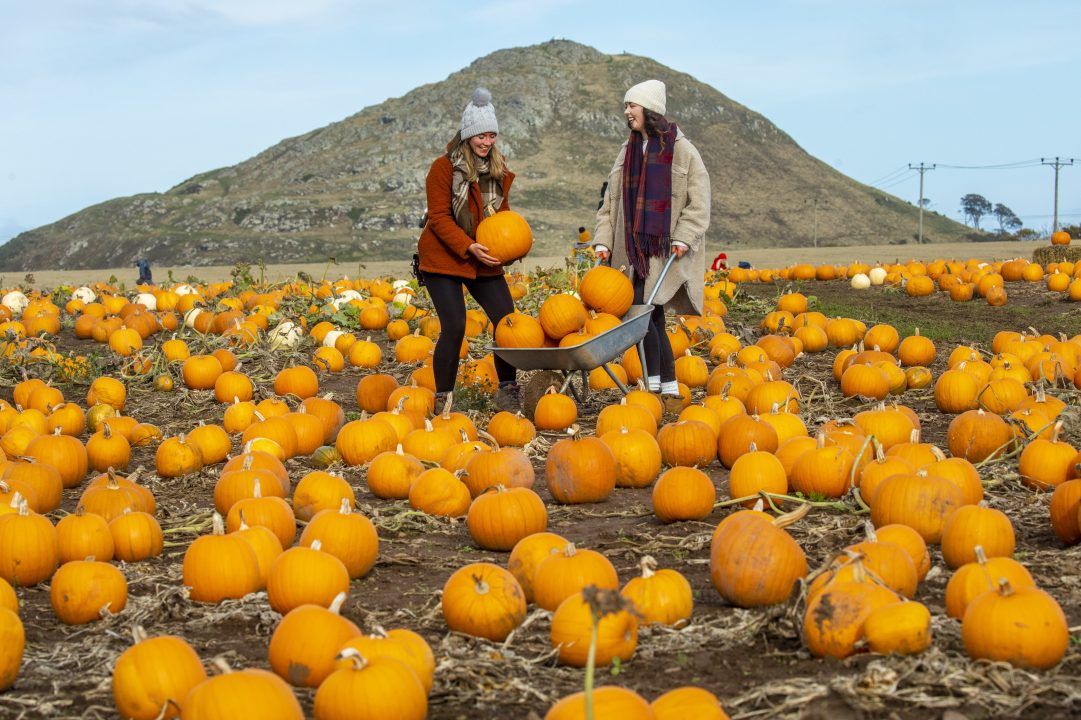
[903,628]
[970,526]
[562,574]
[518,330]
[683,493]
[217,567]
[348,535]
[305,644]
[82,590]
[753,561]
[1023,626]
[483,600]
[528,554]
[660,596]
[305,576]
[499,518]
[580,470]
[153,675]
[375,687]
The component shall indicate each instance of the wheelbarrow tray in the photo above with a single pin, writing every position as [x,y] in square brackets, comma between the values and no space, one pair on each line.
[591,354]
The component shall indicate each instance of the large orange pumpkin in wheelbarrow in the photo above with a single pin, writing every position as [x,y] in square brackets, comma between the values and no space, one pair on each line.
[506,235]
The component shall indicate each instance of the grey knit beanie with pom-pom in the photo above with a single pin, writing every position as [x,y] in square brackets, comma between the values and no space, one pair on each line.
[479,115]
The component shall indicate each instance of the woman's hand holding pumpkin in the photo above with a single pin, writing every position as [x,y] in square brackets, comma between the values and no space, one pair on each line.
[480,252]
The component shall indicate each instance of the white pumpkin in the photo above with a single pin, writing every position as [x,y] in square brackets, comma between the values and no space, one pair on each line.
[146,300]
[16,302]
[348,295]
[877,276]
[84,295]
[285,334]
[184,290]
[331,337]
[399,284]
[860,281]
[189,317]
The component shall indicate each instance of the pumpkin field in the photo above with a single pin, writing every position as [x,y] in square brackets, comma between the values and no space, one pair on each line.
[238,499]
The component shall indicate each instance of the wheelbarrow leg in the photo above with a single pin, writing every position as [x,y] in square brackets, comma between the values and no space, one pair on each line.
[567,382]
[619,383]
[642,360]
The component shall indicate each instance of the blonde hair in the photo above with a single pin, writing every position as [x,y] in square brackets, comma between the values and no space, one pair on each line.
[497,163]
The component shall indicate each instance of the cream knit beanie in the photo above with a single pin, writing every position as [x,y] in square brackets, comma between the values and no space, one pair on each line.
[479,115]
[649,94]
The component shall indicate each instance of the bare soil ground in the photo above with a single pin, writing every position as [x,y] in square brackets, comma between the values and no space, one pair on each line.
[752,659]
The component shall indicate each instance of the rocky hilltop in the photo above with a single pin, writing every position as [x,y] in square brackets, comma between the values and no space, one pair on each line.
[354,189]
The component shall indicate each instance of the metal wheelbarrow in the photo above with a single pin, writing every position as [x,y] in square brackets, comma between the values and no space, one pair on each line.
[596,352]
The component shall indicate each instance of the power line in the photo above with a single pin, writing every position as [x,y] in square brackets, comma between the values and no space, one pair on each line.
[1020,164]
[888,176]
[897,182]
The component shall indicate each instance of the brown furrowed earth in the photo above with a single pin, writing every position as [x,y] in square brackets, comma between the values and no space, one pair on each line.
[753,660]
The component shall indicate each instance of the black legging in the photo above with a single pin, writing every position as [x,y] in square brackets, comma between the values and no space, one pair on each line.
[491,293]
[659,358]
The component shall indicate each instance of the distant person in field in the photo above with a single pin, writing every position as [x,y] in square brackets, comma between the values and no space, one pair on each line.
[466,184]
[145,278]
[656,205]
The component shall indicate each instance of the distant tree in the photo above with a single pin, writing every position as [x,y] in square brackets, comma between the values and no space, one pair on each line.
[1027,234]
[974,207]
[1007,220]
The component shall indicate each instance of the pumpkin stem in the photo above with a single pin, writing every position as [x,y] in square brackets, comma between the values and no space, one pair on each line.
[217,524]
[357,661]
[783,521]
[1004,587]
[487,436]
[648,565]
[138,634]
[981,556]
[480,586]
[243,525]
[221,666]
[336,604]
[316,545]
[346,508]
[1055,431]
[869,530]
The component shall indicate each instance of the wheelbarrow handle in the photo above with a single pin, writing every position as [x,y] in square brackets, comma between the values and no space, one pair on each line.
[660,278]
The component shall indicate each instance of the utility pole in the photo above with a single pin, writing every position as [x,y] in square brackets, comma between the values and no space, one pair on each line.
[922,168]
[1057,164]
[814,237]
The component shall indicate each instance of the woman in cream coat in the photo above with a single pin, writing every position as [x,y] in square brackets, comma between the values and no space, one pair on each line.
[682,288]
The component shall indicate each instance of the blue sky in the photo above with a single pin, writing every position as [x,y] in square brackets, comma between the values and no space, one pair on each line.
[103,98]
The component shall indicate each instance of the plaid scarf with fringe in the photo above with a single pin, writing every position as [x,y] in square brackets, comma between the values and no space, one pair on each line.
[647,198]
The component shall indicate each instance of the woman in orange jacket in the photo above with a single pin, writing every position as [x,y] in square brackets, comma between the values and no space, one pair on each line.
[465,185]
